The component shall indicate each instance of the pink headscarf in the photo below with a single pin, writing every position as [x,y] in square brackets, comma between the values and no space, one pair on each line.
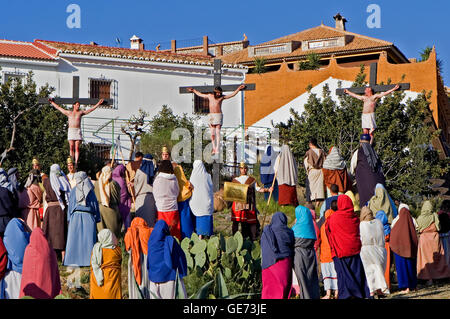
[40,274]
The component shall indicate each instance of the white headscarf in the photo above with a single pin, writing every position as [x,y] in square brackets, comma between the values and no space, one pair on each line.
[334,160]
[106,239]
[202,200]
[59,182]
[286,167]
[104,183]
[83,187]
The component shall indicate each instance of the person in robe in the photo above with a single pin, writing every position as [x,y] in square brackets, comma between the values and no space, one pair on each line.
[334,193]
[40,273]
[136,243]
[277,251]
[311,208]
[165,259]
[57,190]
[305,261]
[71,173]
[118,175]
[287,177]
[356,206]
[183,200]
[37,166]
[431,263]
[382,201]
[30,200]
[132,167]
[342,229]
[107,192]
[403,243]
[106,260]
[326,262]
[145,206]
[267,172]
[14,180]
[83,215]
[444,232]
[313,163]
[367,169]
[373,252]
[382,217]
[246,213]
[165,191]
[17,237]
[202,200]
[335,172]
[7,203]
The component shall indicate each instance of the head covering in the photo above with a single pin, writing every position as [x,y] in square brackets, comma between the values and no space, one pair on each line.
[40,275]
[382,217]
[382,201]
[16,239]
[183,184]
[334,160]
[118,175]
[427,217]
[4,182]
[403,205]
[165,150]
[403,240]
[356,207]
[366,214]
[12,177]
[106,239]
[105,188]
[243,165]
[277,241]
[371,156]
[266,167]
[364,138]
[83,187]
[286,167]
[59,183]
[165,255]
[136,239]
[3,259]
[35,161]
[148,168]
[304,225]
[69,160]
[33,178]
[342,229]
[165,192]
[202,201]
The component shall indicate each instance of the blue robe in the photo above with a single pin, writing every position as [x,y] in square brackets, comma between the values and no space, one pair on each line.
[186,219]
[351,277]
[406,272]
[82,233]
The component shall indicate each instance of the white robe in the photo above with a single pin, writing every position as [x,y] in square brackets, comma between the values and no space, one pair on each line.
[10,285]
[373,254]
[144,287]
[165,290]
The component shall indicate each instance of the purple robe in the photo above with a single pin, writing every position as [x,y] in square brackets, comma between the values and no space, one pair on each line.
[118,175]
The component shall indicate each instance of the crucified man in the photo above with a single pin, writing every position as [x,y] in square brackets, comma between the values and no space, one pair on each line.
[215,112]
[74,133]
[370,102]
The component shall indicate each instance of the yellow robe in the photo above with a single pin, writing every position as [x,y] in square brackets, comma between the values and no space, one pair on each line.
[111,267]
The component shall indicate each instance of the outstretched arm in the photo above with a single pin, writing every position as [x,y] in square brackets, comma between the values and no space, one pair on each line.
[380,95]
[92,109]
[205,96]
[235,92]
[356,96]
[59,108]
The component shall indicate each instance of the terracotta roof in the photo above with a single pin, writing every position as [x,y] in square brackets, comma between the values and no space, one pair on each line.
[358,43]
[24,50]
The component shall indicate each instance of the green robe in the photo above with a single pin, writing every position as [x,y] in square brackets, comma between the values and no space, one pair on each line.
[110,216]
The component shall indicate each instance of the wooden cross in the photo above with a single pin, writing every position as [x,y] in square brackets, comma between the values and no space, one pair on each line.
[217,72]
[373,84]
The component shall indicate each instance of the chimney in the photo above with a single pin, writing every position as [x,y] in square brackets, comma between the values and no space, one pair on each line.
[205,45]
[93,43]
[340,21]
[136,43]
[173,46]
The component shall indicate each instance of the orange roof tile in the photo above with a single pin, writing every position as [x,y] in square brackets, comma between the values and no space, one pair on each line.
[23,50]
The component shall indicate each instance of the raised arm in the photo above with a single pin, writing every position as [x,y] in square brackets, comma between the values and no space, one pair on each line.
[205,96]
[235,92]
[93,108]
[356,96]
[380,95]
[59,108]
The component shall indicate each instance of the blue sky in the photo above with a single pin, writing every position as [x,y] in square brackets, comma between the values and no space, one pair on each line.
[410,25]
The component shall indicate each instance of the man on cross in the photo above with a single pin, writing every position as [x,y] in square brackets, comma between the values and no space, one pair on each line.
[74,133]
[215,112]
[370,101]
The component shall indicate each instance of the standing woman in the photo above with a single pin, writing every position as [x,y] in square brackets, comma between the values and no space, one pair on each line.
[202,201]
[118,175]
[305,260]
[30,200]
[57,190]
[287,177]
[7,203]
[382,217]
[184,196]
[403,242]
[107,192]
[145,206]
[267,172]
[277,250]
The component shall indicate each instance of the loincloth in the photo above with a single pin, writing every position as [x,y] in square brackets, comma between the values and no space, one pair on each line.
[368,121]
[74,134]
[215,118]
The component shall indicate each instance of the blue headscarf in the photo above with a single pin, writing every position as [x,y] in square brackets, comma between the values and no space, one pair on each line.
[381,215]
[4,182]
[277,241]
[16,239]
[165,255]
[394,208]
[148,168]
[12,178]
[304,226]
[266,168]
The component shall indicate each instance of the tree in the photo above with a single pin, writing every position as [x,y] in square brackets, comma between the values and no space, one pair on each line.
[260,65]
[425,54]
[134,128]
[312,62]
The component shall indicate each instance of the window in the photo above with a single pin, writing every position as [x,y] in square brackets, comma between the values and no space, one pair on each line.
[201,105]
[270,50]
[323,44]
[103,89]
[19,76]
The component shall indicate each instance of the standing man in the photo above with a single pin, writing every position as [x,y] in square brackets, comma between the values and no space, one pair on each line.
[215,112]
[74,133]
[313,162]
[72,171]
